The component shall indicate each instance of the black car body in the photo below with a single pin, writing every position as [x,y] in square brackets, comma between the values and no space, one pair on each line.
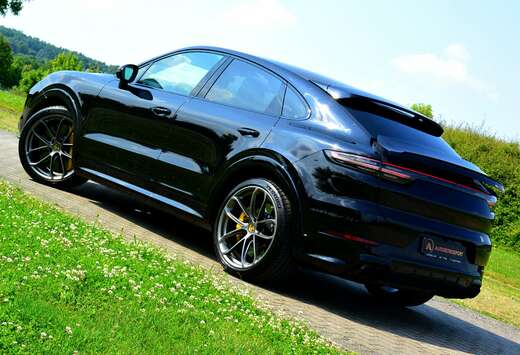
[379,197]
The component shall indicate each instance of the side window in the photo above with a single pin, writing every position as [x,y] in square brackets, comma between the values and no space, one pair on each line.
[180,73]
[293,105]
[246,86]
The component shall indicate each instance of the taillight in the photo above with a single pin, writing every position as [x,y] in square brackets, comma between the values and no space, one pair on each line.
[394,172]
[374,166]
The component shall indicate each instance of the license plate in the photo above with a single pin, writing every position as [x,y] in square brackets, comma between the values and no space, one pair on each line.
[443,250]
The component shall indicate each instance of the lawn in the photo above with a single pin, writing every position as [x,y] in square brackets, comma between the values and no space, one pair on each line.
[500,295]
[11,106]
[70,286]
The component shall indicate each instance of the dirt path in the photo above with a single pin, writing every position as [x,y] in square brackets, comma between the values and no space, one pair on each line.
[339,310]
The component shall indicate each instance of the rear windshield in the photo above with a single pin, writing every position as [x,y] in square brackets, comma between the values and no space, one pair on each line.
[381,121]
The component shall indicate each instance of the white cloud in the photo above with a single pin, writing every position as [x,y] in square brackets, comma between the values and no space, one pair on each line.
[457,51]
[450,66]
[260,13]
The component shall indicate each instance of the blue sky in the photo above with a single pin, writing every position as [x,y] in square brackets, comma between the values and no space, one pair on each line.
[460,56]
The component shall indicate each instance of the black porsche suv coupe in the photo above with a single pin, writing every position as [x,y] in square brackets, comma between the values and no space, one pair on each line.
[285,166]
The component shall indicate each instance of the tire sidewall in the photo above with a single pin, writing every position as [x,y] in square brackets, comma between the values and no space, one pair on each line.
[282,230]
[57,111]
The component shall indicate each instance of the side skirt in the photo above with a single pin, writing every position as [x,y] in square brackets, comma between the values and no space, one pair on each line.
[151,198]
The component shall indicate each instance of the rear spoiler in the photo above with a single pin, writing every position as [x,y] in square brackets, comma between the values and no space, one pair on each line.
[346,95]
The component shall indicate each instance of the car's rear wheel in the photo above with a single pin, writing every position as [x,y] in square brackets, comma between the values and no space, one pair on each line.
[398,297]
[252,231]
[46,147]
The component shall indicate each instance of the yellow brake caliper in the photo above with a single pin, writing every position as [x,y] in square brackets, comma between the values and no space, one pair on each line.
[242,218]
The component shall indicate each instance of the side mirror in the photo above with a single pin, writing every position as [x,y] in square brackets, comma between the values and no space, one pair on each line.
[127,73]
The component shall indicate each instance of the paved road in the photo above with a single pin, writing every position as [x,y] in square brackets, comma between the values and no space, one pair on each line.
[339,310]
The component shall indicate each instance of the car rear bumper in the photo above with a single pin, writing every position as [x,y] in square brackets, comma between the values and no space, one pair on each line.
[355,237]
[379,247]
[397,273]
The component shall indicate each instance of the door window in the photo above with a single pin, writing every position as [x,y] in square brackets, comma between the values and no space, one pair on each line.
[246,86]
[180,73]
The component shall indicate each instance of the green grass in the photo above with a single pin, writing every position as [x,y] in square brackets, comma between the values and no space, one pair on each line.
[504,267]
[500,295]
[71,286]
[11,106]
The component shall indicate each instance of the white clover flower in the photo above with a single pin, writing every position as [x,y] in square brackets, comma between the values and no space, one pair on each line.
[68,330]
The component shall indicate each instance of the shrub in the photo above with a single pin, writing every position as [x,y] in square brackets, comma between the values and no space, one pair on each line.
[500,159]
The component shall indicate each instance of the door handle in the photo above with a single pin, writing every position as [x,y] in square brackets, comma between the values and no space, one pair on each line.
[161,111]
[248,132]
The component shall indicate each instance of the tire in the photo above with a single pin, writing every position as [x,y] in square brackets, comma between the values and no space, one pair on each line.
[46,147]
[267,257]
[398,297]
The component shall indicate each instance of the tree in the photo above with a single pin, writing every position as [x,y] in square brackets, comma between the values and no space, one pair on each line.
[30,46]
[31,77]
[94,68]
[21,64]
[15,6]
[64,61]
[424,109]
[6,60]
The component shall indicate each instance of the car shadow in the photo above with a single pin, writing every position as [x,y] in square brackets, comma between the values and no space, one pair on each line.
[346,299]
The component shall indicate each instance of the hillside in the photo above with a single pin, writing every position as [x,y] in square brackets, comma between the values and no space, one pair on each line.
[26,45]
[501,160]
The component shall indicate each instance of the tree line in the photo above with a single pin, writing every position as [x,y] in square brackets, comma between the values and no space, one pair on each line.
[34,47]
[33,59]
[21,72]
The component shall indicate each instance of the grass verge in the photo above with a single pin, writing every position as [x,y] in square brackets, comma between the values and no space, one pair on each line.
[70,286]
[11,106]
[500,295]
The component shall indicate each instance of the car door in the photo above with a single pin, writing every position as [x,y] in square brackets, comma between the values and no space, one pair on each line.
[129,124]
[234,112]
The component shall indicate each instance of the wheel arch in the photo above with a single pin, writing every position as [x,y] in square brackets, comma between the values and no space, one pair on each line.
[260,164]
[56,95]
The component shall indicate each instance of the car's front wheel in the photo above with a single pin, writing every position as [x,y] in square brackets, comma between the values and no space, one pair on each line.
[398,297]
[252,231]
[46,147]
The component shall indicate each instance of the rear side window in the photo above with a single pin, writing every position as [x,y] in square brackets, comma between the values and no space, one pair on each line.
[246,86]
[380,121]
[179,73]
[293,106]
